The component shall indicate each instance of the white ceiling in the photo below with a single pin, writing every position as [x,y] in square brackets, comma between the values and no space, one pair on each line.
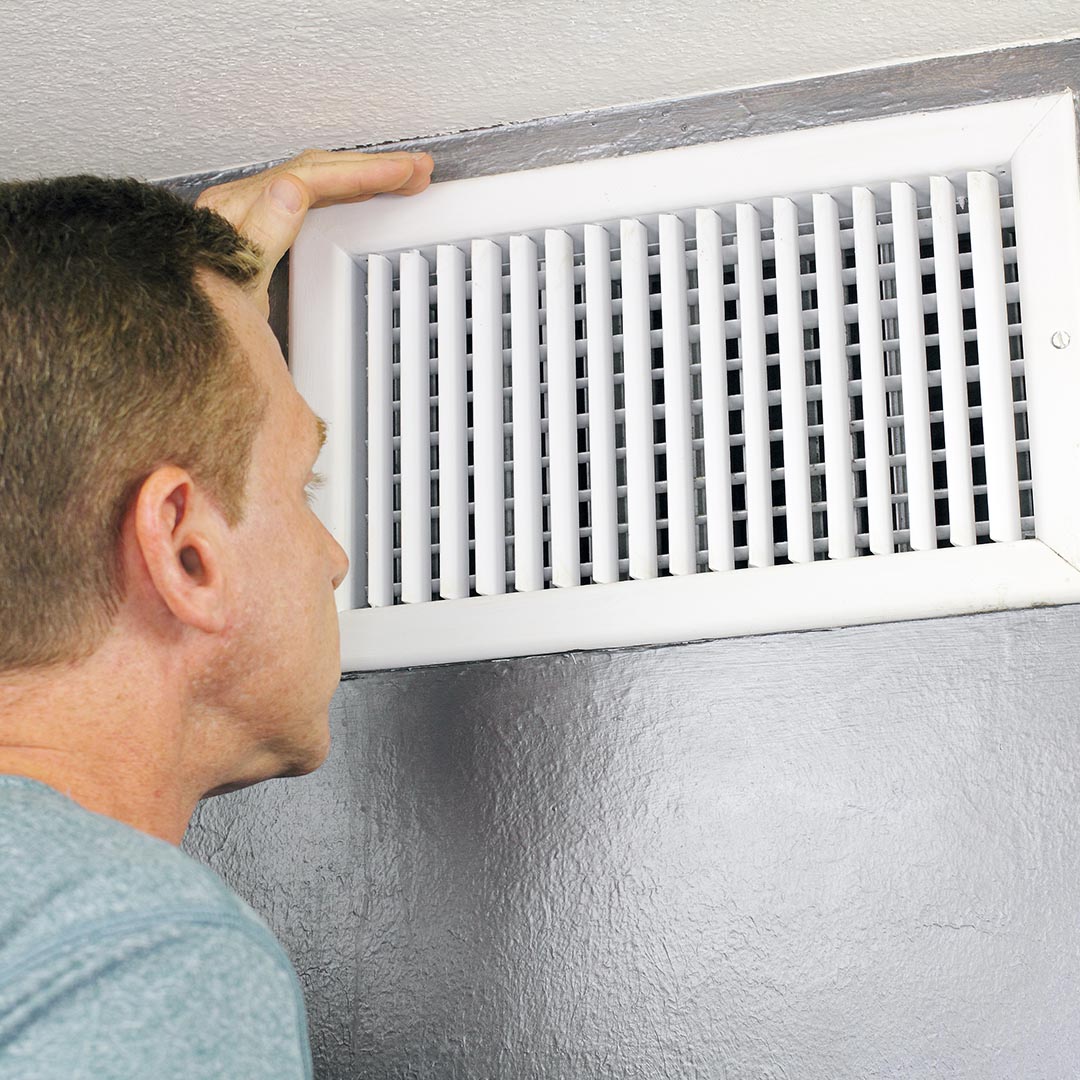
[131,87]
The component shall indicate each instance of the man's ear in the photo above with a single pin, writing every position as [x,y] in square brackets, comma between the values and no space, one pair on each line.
[181,536]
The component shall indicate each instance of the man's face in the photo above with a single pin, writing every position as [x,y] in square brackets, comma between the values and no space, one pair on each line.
[283,653]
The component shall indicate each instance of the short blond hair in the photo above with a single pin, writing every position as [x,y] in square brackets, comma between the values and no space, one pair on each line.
[113,361]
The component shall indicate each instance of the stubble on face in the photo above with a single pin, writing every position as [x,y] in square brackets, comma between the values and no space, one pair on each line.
[279,661]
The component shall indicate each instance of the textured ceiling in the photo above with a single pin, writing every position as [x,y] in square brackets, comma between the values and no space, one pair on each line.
[157,91]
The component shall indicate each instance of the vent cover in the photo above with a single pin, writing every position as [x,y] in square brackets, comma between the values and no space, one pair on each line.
[682,421]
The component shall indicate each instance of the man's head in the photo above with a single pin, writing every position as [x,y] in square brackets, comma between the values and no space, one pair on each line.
[113,361]
[167,619]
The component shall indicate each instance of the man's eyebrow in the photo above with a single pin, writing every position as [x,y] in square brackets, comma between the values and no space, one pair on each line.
[320,430]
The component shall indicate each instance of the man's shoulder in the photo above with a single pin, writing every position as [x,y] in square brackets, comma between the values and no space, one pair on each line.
[66,869]
[122,956]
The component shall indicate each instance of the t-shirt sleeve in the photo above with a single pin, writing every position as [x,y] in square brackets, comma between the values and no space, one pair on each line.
[176,1001]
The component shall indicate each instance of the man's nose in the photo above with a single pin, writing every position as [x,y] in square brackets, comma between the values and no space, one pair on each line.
[341,562]
[339,559]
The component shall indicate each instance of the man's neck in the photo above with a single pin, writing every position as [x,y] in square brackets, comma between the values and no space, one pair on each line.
[108,734]
[160,809]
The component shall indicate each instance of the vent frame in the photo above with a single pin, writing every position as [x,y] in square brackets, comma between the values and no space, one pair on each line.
[1035,136]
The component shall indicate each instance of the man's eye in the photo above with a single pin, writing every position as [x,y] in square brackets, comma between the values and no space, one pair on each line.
[312,486]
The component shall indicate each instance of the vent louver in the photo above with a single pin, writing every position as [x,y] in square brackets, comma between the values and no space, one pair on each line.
[707,390]
[612,403]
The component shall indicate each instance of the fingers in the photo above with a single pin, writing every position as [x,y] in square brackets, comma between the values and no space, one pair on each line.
[330,177]
[269,208]
[273,221]
[345,177]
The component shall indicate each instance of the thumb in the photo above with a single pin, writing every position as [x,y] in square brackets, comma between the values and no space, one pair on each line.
[275,218]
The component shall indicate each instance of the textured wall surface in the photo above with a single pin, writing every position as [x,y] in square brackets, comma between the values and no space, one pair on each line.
[196,84]
[849,854]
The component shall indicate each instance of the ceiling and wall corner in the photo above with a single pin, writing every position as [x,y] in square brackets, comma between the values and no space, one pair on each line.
[201,86]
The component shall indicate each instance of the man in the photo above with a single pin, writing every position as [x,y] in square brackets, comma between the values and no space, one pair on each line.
[167,624]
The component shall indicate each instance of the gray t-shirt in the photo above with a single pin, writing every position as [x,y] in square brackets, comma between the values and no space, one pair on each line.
[123,958]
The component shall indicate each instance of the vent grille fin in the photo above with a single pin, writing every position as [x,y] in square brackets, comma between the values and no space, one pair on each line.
[950,314]
[757,470]
[868,288]
[794,378]
[599,355]
[835,396]
[383,526]
[674,318]
[638,435]
[714,391]
[415,539]
[997,392]
[800,523]
[453,425]
[913,376]
[487,372]
[562,411]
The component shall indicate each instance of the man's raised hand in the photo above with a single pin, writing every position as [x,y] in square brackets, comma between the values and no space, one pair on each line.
[269,207]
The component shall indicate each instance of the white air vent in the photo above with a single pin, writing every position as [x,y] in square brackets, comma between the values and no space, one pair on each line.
[773,384]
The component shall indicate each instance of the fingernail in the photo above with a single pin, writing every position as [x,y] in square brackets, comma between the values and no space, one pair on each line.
[420,155]
[286,195]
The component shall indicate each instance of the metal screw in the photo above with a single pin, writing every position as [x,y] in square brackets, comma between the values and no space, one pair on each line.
[1060,339]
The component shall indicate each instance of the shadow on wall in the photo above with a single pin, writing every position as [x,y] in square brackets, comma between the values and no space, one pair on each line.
[848,854]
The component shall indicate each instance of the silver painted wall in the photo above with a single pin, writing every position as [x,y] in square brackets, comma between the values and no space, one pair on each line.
[849,854]
[829,856]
